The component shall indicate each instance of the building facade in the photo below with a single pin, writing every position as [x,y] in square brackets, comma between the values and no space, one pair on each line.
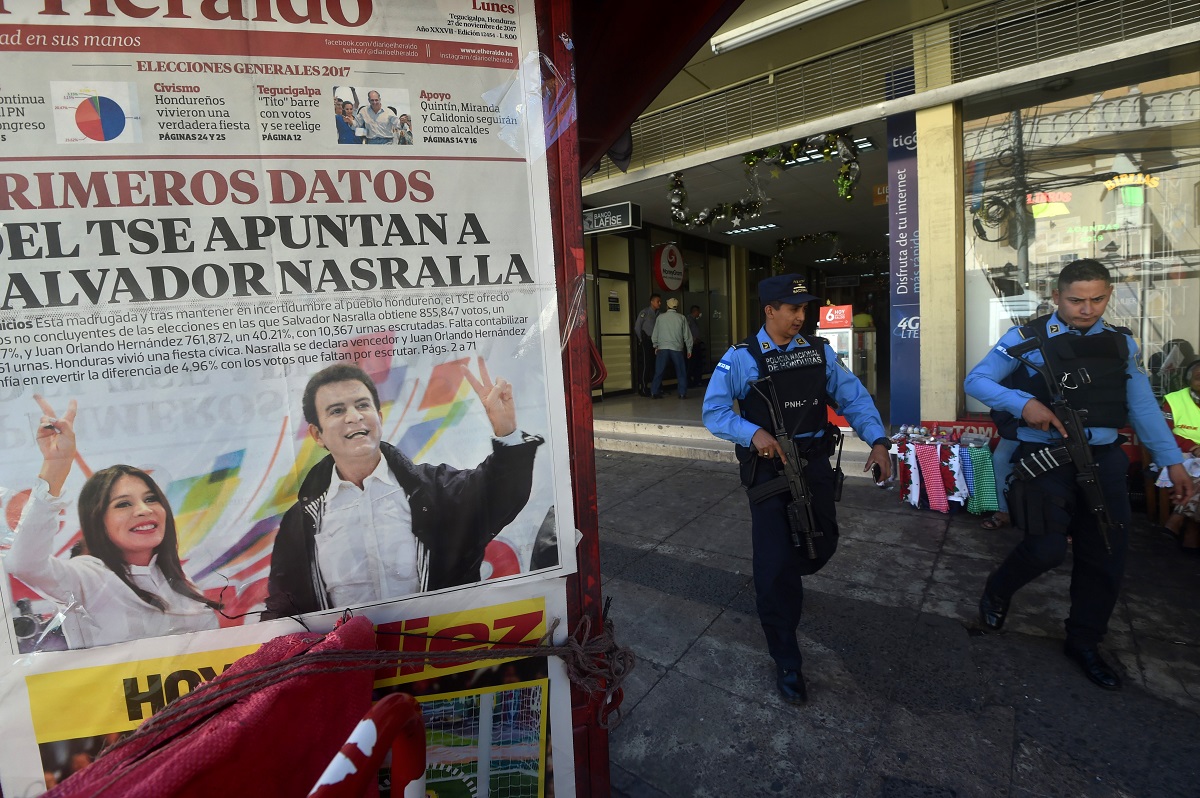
[1018,135]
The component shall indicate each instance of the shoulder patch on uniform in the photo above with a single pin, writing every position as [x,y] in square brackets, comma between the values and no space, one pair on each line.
[722,365]
[766,347]
[1053,329]
[799,341]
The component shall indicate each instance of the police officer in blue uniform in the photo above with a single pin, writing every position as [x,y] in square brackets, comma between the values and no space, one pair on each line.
[1097,365]
[805,374]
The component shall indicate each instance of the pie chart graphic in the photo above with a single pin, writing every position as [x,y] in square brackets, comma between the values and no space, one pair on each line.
[100,118]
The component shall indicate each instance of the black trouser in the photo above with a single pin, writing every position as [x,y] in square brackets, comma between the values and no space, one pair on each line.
[779,566]
[1054,502]
[644,367]
[696,364]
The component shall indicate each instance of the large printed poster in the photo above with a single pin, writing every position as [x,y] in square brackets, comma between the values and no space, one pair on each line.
[278,321]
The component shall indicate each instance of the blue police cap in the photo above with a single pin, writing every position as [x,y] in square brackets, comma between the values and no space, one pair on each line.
[789,288]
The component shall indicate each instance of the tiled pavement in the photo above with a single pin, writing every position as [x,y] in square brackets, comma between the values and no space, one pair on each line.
[905,700]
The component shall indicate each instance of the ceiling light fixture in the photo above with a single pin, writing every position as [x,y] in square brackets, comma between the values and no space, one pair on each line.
[739,230]
[771,24]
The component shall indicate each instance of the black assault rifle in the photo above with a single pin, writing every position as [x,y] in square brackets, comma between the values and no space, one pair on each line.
[802,524]
[1075,449]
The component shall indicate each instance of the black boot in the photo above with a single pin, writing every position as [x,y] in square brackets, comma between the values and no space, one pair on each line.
[992,611]
[791,686]
[1093,665]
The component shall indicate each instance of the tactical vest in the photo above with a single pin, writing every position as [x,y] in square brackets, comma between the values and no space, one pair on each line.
[799,379]
[1090,371]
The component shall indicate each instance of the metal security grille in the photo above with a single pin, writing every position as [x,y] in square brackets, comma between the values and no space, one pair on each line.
[1021,32]
[983,41]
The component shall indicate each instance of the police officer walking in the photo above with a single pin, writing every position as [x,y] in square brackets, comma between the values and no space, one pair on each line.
[778,373]
[643,330]
[1094,368]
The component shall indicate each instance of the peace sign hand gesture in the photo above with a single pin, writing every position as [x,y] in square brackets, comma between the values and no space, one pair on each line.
[497,399]
[56,440]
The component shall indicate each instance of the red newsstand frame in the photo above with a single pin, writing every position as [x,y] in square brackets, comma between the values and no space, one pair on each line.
[583,588]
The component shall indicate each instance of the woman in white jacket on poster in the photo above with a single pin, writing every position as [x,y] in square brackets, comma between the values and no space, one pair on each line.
[130,583]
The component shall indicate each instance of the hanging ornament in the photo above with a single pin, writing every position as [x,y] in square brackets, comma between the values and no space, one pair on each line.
[845,148]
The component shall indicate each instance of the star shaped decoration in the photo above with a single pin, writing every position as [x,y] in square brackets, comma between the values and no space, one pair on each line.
[775,173]
[737,221]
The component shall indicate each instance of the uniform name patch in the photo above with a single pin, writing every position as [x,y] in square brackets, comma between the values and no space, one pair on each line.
[797,358]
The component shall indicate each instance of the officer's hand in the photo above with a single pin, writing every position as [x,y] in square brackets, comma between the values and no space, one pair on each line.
[880,456]
[1038,416]
[765,444]
[1181,484]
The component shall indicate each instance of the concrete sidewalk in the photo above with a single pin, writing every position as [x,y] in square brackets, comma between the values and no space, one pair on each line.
[904,698]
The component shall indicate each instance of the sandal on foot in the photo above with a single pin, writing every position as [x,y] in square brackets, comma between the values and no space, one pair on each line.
[995,521]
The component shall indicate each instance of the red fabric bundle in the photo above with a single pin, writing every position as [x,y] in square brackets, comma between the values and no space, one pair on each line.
[274,741]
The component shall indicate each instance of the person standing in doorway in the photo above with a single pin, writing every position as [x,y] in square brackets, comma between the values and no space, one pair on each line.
[643,329]
[672,338]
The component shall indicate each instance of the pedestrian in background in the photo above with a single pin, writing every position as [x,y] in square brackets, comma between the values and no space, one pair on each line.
[672,338]
[643,329]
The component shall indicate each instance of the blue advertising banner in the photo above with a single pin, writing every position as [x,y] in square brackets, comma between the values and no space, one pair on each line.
[905,288]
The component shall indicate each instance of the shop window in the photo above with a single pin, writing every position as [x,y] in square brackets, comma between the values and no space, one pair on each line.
[1109,175]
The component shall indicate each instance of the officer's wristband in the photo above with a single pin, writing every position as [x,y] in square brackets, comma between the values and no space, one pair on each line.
[884,442]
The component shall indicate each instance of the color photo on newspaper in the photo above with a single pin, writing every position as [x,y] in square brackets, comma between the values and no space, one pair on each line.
[252,366]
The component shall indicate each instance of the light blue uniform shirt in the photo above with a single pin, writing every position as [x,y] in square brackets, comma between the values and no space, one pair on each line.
[984,384]
[737,369]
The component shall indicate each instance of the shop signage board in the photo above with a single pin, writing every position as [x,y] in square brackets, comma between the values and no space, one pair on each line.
[837,316]
[204,209]
[612,218]
[666,265]
[905,284]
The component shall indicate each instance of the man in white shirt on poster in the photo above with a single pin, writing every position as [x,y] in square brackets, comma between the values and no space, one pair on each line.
[369,524]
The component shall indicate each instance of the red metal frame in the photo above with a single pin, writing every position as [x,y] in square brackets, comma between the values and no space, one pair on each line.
[626,52]
[583,588]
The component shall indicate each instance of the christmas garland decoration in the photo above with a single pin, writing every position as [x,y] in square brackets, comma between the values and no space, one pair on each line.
[737,212]
[740,210]
[844,258]
[826,144]
[784,244]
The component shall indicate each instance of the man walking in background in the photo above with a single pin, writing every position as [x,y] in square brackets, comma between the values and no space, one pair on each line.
[671,338]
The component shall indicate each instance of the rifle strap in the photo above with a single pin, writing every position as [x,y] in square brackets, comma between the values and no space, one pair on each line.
[766,490]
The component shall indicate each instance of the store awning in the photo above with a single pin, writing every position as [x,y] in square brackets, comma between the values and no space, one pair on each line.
[626,52]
